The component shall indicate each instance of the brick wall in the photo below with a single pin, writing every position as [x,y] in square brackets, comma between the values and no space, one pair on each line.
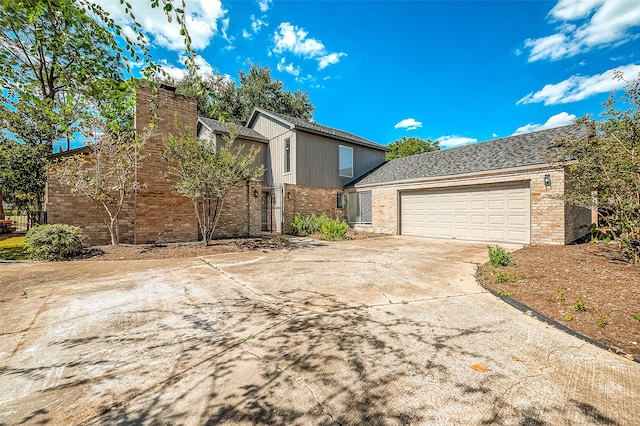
[307,200]
[156,213]
[64,207]
[577,220]
[241,214]
[161,214]
[552,222]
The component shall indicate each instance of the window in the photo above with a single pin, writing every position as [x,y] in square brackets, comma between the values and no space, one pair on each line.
[287,155]
[359,207]
[346,161]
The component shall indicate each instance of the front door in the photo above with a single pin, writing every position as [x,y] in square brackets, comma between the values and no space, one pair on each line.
[266,211]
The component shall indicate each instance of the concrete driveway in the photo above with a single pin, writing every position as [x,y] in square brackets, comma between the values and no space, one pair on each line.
[364,332]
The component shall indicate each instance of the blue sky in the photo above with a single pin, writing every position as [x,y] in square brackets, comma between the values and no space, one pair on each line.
[456,71]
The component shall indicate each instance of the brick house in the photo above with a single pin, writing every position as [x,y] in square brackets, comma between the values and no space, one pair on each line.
[501,190]
[497,191]
[307,166]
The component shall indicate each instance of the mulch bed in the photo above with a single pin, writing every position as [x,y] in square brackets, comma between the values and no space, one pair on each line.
[552,279]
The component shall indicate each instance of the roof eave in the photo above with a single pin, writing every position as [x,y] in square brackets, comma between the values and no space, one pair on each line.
[532,167]
[343,139]
[258,110]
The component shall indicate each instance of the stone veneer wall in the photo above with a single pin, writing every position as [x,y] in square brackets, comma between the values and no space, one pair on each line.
[307,200]
[548,211]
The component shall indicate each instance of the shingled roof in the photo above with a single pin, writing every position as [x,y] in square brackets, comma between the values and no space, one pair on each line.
[242,131]
[505,153]
[319,129]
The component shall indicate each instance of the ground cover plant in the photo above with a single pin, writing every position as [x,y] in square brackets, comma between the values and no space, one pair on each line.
[13,248]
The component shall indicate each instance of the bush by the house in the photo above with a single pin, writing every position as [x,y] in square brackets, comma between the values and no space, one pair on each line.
[307,225]
[334,229]
[331,229]
[54,242]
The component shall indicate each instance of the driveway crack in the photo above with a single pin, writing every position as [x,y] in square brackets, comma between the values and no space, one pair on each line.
[248,287]
[299,382]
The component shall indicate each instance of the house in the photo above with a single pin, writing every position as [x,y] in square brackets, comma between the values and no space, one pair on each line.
[306,168]
[502,190]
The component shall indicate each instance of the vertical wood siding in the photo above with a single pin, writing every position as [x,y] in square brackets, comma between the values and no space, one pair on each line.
[277,132]
[317,161]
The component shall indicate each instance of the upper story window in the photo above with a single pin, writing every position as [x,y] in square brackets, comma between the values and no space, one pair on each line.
[345,160]
[287,155]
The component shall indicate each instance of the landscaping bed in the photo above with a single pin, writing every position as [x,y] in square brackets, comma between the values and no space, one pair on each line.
[589,288]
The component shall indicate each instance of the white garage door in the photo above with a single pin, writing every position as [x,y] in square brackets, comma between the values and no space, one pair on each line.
[483,213]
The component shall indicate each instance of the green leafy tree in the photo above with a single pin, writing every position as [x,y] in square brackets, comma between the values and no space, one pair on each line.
[52,57]
[59,69]
[207,173]
[604,168]
[220,98]
[106,174]
[22,176]
[411,146]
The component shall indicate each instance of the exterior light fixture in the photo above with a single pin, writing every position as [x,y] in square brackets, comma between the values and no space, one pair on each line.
[289,196]
[255,193]
[547,180]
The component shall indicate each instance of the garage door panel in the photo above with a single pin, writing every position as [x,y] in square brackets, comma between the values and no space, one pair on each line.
[499,213]
[517,220]
[497,219]
[477,219]
[517,204]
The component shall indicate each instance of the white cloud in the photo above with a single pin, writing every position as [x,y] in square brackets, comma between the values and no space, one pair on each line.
[290,38]
[453,141]
[202,20]
[289,68]
[495,135]
[257,24]
[330,59]
[603,23]
[177,72]
[293,39]
[560,119]
[578,87]
[246,34]
[408,124]
[264,5]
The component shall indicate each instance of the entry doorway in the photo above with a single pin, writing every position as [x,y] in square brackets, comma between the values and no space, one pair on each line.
[267,213]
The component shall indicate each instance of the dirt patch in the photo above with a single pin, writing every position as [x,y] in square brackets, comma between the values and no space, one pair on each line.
[195,249]
[191,249]
[558,281]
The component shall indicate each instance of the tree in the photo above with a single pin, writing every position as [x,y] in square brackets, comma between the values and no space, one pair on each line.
[106,174]
[604,168]
[52,55]
[59,68]
[220,98]
[22,176]
[207,173]
[411,146]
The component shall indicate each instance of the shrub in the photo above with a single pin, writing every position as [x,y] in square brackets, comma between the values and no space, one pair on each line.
[54,242]
[306,225]
[498,256]
[334,229]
